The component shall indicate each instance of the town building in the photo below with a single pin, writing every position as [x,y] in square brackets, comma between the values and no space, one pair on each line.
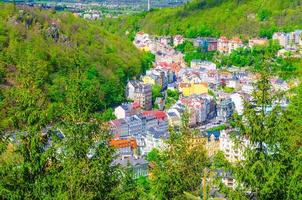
[206,44]
[138,164]
[232,151]
[177,40]
[282,38]
[289,41]
[226,46]
[225,108]
[174,117]
[202,64]
[154,138]
[135,125]
[238,102]
[124,147]
[258,42]
[119,127]
[140,93]
[188,89]
[159,76]
[126,110]
[212,142]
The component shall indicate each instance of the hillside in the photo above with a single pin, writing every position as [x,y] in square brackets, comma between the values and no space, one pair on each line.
[217,17]
[46,57]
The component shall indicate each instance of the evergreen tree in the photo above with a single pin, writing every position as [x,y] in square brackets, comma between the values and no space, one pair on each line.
[180,166]
[269,163]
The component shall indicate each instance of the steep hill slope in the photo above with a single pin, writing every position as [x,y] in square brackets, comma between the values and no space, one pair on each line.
[46,57]
[216,17]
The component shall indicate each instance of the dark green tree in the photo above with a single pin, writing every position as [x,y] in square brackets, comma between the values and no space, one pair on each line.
[269,163]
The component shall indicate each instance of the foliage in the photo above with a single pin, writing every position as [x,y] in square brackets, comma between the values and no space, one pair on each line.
[246,18]
[199,56]
[156,92]
[106,115]
[217,128]
[266,172]
[255,57]
[185,47]
[180,166]
[171,98]
[147,61]
[228,89]
[58,71]
[191,52]
[153,156]
[264,14]
[47,56]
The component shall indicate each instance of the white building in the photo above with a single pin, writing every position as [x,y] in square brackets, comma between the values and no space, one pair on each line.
[282,38]
[177,40]
[238,101]
[233,152]
[247,88]
[154,139]
[257,41]
[198,64]
[126,110]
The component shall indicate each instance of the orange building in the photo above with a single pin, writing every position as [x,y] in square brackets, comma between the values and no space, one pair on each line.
[123,143]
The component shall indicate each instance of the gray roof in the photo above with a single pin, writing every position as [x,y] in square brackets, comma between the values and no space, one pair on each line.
[129,161]
[158,134]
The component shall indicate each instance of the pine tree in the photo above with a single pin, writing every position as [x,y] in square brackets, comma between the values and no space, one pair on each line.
[266,171]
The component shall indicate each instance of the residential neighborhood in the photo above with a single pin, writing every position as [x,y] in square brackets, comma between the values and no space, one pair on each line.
[210,95]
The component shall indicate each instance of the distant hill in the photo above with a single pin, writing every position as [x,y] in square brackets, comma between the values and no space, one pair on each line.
[46,58]
[217,17]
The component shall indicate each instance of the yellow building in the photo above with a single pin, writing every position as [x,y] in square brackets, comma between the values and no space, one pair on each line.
[198,140]
[188,89]
[145,48]
[148,80]
[212,146]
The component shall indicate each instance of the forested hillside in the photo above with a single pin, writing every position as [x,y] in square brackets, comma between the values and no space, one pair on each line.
[217,17]
[45,57]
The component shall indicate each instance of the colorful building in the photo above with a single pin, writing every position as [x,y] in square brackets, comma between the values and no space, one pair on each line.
[189,89]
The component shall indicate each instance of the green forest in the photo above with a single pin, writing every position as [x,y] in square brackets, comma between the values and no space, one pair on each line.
[245,18]
[46,57]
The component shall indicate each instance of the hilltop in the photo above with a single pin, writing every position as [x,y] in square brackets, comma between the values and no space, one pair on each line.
[216,17]
[46,56]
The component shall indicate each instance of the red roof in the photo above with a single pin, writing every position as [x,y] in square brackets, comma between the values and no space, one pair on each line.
[140,33]
[157,113]
[115,122]
[163,64]
[178,37]
[135,105]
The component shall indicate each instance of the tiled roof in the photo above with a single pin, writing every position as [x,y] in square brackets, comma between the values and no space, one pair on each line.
[157,113]
[123,143]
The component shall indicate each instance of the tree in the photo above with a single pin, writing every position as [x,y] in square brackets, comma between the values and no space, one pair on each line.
[180,166]
[266,172]
[156,92]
